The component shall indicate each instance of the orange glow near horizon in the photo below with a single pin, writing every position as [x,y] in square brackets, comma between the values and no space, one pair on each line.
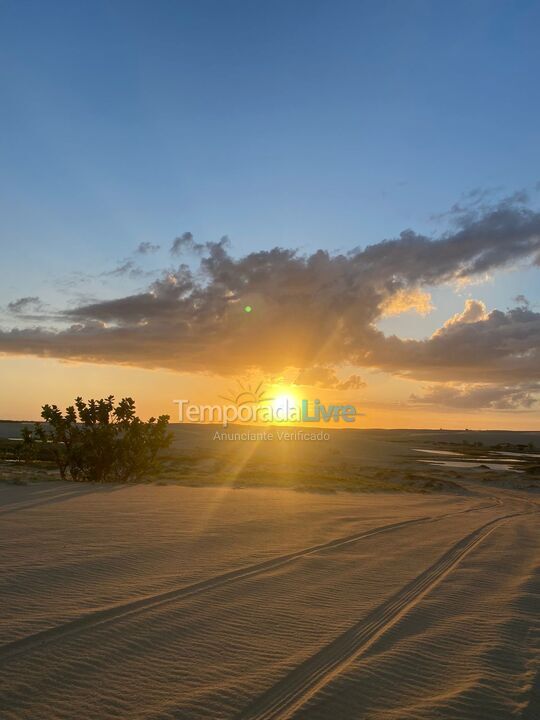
[28,383]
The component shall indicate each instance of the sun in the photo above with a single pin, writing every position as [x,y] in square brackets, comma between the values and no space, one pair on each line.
[283,403]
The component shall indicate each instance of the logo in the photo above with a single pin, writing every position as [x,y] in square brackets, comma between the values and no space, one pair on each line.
[251,405]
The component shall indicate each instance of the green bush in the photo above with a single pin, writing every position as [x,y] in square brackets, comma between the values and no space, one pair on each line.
[98,441]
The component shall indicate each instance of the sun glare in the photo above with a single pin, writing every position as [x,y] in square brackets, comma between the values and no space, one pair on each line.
[283,402]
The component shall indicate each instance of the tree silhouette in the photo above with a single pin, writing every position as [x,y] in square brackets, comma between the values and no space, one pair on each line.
[98,441]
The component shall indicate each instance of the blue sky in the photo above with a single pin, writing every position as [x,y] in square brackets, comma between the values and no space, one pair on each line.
[310,124]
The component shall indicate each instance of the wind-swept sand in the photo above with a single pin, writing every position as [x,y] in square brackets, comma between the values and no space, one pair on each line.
[177,602]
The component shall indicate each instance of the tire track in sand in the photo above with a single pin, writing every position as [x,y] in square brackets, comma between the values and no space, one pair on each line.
[292,692]
[124,610]
[58,496]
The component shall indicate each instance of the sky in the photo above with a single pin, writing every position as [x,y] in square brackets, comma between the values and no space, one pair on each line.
[136,136]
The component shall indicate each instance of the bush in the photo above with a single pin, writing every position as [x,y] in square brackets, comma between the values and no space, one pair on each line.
[100,442]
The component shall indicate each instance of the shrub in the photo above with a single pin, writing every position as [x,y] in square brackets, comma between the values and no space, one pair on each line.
[99,441]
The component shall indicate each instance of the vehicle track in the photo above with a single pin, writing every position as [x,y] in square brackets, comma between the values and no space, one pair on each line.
[124,610]
[292,692]
[26,505]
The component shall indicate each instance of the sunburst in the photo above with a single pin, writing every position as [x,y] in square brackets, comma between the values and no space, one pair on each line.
[247,395]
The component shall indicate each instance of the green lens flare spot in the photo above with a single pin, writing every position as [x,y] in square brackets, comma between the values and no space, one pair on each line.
[247,308]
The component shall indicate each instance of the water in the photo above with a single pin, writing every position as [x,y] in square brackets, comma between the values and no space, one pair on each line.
[516,454]
[472,464]
[438,452]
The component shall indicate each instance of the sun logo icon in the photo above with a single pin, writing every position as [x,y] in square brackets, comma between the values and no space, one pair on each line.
[247,395]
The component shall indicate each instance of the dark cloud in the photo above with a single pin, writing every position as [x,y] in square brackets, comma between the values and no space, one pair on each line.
[313,311]
[125,269]
[495,240]
[185,243]
[31,302]
[479,202]
[522,301]
[147,248]
[502,347]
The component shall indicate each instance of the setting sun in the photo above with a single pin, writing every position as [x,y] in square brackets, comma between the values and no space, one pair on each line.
[283,403]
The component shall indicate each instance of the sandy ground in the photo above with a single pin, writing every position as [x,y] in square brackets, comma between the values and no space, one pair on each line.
[176,602]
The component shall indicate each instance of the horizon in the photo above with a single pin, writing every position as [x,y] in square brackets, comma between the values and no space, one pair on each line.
[241,427]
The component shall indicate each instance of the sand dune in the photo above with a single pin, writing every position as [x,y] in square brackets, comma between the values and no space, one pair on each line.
[173,602]
[467,650]
[298,688]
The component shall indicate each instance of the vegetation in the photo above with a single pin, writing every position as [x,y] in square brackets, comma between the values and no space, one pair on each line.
[98,441]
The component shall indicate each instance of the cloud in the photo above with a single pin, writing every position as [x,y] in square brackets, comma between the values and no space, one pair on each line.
[325,377]
[475,203]
[126,268]
[474,311]
[497,239]
[480,396]
[186,244]
[522,301]
[315,310]
[503,347]
[31,302]
[147,248]
[353,382]
[404,300]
